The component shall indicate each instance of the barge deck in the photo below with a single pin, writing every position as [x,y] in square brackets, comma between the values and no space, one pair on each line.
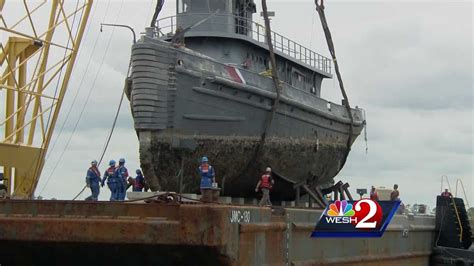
[76,232]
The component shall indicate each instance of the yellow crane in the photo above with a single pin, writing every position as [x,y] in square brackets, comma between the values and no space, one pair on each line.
[36,62]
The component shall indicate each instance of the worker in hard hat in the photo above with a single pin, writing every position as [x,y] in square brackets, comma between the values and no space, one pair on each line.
[207,173]
[112,180]
[93,181]
[446,193]
[122,176]
[139,182]
[265,184]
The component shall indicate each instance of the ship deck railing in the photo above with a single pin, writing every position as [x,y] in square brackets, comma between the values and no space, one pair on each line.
[166,27]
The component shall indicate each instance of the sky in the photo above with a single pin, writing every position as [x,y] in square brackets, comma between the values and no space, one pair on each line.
[408,64]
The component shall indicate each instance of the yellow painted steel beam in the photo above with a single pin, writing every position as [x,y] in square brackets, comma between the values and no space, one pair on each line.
[64,85]
[23,178]
[17,49]
[32,37]
[10,95]
[69,29]
[2,3]
[29,18]
[26,16]
[31,51]
[70,15]
[9,137]
[42,68]
[27,92]
[60,63]
[20,118]
[23,160]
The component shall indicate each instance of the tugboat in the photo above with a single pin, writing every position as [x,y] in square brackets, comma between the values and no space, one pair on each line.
[209,92]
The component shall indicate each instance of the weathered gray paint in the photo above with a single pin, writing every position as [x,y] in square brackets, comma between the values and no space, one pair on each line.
[186,97]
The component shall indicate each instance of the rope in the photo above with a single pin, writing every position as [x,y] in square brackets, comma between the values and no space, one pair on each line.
[107,141]
[327,33]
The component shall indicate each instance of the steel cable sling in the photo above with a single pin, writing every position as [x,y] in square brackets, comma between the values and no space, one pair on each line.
[106,145]
[327,33]
[276,82]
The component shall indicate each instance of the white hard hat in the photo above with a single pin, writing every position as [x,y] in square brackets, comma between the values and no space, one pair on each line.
[446,188]
[268,169]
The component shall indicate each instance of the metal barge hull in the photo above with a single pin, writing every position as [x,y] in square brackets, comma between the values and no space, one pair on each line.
[80,233]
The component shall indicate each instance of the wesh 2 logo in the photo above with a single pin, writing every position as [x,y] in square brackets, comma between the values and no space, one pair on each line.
[363,218]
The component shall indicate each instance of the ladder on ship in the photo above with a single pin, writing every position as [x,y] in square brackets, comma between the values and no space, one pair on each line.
[452,223]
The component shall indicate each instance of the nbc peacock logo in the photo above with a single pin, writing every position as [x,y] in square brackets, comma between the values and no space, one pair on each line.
[340,212]
[340,208]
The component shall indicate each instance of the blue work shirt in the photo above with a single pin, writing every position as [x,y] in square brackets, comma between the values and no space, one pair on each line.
[93,176]
[109,175]
[139,183]
[122,173]
[206,172]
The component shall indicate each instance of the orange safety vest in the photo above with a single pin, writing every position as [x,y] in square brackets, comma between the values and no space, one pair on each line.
[374,196]
[265,181]
[205,168]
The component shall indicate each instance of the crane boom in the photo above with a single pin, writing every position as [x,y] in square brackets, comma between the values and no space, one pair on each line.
[36,63]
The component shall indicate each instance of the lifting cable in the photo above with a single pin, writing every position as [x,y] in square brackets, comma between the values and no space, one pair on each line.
[159,6]
[327,33]
[276,82]
[110,133]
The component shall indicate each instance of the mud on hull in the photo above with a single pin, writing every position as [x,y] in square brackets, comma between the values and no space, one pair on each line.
[163,155]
